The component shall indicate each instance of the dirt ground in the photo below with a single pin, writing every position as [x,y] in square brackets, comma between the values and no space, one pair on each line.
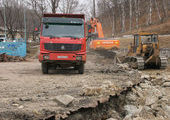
[105,90]
[28,94]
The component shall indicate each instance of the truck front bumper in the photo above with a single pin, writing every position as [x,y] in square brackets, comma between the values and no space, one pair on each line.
[76,57]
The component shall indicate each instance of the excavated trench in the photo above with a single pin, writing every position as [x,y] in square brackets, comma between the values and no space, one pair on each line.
[113,108]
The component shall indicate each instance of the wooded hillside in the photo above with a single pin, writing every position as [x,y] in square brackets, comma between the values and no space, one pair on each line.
[126,16]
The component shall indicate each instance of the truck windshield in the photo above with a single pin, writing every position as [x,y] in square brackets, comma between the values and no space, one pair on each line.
[63,30]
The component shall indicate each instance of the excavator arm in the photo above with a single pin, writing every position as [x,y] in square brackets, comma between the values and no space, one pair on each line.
[96,27]
[100,42]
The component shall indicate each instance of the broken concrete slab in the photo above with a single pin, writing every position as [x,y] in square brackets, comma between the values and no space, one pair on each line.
[166,84]
[64,99]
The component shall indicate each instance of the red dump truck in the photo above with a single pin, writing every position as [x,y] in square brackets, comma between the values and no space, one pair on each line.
[63,42]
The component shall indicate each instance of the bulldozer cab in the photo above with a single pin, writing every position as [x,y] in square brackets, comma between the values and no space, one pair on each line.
[153,38]
[144,39]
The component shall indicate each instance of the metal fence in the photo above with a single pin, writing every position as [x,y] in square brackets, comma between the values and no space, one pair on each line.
[15,48]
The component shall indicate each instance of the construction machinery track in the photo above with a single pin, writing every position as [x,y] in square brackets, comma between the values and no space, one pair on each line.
[164,62]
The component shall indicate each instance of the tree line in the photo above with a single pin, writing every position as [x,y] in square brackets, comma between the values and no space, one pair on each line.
[120,16]
[12,14]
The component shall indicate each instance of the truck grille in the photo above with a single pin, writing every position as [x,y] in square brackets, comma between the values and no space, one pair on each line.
[62,47]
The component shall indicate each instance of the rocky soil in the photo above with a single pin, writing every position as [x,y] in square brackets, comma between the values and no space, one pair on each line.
[106,91]
[28,94]
[150,99]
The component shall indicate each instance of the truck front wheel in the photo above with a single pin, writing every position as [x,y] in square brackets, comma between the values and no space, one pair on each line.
[81,68]
[44,67]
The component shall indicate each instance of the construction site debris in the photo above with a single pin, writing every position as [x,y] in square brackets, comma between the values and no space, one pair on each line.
[94,95]
[8,58]
[166,84]
[64,99]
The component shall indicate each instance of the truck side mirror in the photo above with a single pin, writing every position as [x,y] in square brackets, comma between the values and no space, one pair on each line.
[36,29]
[46,26]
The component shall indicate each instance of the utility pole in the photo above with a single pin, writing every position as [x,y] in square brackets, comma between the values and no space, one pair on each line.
[25,25]
[5,27]
[94,8]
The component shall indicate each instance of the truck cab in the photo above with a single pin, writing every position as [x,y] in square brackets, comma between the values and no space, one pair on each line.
[63,42]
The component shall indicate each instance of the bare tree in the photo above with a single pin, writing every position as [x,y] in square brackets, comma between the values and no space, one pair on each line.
[137,13]
[165,8]
[14,17]
[39,7]
[130,12]
[68,6]
[123,15]
[54,5]
[156,4]
[149,22]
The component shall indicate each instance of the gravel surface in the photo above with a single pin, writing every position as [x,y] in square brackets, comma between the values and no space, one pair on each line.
[26,93]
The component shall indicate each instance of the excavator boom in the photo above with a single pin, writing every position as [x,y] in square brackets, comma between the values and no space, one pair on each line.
[97,27]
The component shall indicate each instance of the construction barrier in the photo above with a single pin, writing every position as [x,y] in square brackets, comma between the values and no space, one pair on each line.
[13,48]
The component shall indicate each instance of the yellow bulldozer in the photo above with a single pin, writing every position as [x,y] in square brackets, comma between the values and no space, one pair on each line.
[145,52]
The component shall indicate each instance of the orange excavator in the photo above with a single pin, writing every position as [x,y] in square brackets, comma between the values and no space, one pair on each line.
[98,41]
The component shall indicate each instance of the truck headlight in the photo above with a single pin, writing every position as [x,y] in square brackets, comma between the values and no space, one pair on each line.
[78,57]
[98,43]
[46,57]
[116,42]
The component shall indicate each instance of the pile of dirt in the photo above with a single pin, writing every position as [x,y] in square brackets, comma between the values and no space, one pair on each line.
[8,58]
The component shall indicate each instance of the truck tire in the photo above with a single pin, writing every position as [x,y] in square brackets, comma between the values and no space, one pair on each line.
[81,68]
[44,67]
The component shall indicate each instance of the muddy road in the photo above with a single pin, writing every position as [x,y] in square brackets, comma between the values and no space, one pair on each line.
[27,94]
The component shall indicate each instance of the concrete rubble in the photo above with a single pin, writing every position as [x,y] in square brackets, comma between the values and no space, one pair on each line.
[149,100]
[64,99]
[8,58]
